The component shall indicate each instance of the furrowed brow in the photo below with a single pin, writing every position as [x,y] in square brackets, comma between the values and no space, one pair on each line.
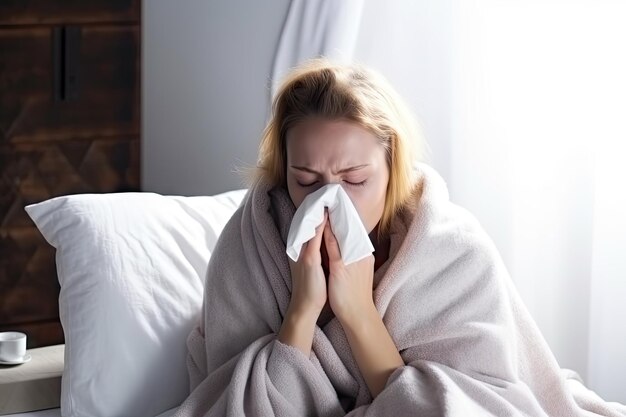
[341,171]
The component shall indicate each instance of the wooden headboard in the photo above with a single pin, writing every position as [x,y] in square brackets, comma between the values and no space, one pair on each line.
[69,123]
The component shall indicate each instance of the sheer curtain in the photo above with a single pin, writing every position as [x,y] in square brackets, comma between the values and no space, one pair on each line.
[538,154]
[523,103]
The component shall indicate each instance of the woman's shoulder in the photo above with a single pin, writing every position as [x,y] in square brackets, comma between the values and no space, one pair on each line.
[432,218]
[443,243]
[264,213]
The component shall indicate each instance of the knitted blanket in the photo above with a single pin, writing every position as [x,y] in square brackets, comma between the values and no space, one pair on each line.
[469,345]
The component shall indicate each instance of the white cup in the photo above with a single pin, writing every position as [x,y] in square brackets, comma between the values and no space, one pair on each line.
[12,346]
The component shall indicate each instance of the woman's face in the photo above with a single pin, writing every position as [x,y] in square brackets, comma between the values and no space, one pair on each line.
[321,152]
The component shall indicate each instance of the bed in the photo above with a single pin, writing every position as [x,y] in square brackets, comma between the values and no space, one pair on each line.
[131,268]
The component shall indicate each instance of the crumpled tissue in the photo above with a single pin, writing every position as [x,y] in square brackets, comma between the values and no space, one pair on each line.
[354,242]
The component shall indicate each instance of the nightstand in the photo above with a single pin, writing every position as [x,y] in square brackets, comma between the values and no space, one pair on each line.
[35,385]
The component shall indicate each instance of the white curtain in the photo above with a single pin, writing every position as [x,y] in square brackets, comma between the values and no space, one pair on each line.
[538,154]
[316,28]
[524,107]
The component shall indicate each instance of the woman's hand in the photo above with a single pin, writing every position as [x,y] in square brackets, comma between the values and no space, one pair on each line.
[349,286]
[308,294]
[350,293]
[308,283]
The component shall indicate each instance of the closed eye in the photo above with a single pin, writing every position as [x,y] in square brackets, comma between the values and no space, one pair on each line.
[306,185]
[356,184]
[350,183]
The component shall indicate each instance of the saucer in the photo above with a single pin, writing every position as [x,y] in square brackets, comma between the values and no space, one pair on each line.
[25,358]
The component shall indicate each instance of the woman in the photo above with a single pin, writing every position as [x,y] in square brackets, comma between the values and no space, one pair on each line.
[428,325]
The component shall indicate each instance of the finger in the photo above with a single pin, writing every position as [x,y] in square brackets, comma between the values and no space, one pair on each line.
[332,246]
[316,242]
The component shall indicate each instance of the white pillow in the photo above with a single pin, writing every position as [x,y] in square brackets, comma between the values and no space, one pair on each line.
[131,268]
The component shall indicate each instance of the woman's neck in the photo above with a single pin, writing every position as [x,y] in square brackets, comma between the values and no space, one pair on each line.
[381,245]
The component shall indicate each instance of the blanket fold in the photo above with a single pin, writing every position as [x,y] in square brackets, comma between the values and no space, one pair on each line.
[469,345]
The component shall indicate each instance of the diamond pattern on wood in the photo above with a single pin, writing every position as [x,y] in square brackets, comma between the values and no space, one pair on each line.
[32,173]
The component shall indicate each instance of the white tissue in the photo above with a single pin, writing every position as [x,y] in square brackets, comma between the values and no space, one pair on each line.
[354,243]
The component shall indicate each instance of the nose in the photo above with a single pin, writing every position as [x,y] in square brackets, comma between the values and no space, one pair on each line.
[330,179]
[327,180]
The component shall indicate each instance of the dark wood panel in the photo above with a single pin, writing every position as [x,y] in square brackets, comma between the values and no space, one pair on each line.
[69,123]
[107,94]
[30,289]
[30,173]
[34,12]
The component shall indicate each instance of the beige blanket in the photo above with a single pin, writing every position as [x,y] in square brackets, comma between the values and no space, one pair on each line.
[469,345]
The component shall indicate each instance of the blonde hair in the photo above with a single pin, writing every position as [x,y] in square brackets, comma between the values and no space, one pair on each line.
[320,88]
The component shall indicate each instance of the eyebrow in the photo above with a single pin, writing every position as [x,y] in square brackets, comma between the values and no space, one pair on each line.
[342,171]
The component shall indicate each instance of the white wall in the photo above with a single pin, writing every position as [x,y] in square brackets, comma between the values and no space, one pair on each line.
[205,71]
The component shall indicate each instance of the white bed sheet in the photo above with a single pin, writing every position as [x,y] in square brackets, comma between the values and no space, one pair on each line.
[56,412]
